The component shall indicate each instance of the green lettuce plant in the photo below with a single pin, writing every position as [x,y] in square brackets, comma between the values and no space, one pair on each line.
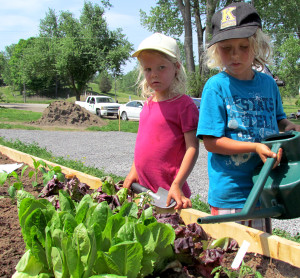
[85,239]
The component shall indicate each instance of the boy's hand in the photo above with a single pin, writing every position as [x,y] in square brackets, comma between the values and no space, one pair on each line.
[292,127]
[181,201]
[286,125]
[264,152]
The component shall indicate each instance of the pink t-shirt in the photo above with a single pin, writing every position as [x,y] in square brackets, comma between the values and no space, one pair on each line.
[160,145]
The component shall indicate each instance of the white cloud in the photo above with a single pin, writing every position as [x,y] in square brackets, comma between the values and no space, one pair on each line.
[117,20]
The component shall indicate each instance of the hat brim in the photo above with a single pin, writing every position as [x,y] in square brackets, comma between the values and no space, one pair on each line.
[235,33]
[137,53]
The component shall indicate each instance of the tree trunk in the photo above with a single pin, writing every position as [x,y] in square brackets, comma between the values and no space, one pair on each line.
[210,10]
[185,9]
[200,32]
[75,89]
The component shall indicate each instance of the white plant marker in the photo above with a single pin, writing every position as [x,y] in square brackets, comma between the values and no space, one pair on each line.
[8,168]
[240,255]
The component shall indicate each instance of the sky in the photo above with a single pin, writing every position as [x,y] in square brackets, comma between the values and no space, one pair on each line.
[20,19]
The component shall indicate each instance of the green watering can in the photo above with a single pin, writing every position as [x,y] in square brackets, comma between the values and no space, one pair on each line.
[278,190]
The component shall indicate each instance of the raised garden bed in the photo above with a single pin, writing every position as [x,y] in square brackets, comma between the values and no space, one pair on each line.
[279,249]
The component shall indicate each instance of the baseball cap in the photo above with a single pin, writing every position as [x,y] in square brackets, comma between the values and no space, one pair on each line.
[237,20]
[161,43]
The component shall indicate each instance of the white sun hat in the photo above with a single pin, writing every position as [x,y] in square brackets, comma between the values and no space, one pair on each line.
[161,43]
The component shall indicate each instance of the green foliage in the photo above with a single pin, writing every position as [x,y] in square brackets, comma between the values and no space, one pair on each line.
[14,181]
[68,51]
[285,234]
[36,165]
[164,18]
[49,171]
[279,22]
[289,67]
[244,271]
[88,239]
[127,83]
[198,204]
[197,81]
[105,83]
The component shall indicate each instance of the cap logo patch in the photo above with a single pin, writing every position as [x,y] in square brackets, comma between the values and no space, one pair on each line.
[228,19]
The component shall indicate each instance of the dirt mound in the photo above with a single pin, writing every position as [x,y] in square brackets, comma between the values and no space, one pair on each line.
[63,113]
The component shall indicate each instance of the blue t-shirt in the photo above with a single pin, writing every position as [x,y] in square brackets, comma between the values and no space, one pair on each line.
[243,110]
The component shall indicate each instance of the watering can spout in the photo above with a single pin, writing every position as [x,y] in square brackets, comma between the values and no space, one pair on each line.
[243,215]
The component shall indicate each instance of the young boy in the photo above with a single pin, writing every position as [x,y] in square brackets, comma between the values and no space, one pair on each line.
[239,108]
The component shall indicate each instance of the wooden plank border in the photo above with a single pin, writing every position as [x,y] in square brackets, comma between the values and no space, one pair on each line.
[260,242]
[18,156]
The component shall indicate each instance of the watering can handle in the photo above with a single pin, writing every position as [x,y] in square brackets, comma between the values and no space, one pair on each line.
[260,183]
[275,148]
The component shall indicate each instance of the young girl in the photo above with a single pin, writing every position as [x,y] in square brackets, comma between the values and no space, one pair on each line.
[239,108]
[166,147]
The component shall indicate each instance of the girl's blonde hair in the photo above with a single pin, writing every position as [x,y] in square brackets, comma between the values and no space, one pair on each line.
[260,45]
[178,87]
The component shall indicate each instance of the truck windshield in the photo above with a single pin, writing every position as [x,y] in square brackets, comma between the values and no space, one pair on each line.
[101,100]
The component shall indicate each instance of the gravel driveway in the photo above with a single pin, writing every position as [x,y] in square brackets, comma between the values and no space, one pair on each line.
[113,153]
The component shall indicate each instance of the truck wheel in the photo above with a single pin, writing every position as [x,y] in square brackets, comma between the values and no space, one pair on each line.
[98,113]
[124,116]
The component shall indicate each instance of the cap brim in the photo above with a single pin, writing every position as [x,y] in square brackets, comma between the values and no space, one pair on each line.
[236,33]
[136,54]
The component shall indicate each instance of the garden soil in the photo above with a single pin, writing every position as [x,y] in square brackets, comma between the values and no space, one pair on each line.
[12,246]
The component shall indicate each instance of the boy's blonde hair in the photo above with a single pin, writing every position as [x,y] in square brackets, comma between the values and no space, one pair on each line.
[260,45]
[177,87]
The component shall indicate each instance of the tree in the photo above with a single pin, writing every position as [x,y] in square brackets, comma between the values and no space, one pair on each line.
[2,67]
[84,47]
[283,25]
[185,10]
[105,83]
[289,68]
[15,73]
[68,50]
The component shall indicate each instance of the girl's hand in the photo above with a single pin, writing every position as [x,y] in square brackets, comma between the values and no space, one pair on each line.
[131,177]
[181,201]
[129,180]
[264,152]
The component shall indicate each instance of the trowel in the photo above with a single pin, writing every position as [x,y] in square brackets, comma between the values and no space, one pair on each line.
[159,198]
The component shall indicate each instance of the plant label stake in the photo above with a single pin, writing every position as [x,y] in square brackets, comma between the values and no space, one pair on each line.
[240,255]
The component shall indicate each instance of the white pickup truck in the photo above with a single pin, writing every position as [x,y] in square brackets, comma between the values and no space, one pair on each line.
[100,105]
